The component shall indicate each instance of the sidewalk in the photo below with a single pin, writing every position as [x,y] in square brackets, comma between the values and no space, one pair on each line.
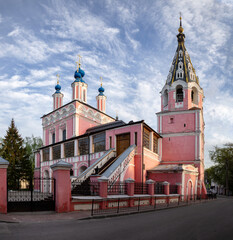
[35,217]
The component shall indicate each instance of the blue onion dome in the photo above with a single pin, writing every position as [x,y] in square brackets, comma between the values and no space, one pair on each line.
[81,72]
[58,88]
[101,91]
[77,75]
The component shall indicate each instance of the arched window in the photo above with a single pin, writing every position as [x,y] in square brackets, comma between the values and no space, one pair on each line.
[194,95]
[84,96]
[82,169]
[165,98]
[71,172]
[179,94]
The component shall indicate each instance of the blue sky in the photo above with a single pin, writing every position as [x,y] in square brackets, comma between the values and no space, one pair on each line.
[130,44]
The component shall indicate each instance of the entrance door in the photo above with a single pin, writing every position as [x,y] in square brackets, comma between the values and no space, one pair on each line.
[123,142]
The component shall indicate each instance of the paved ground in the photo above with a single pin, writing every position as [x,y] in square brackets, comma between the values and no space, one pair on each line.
[210,220]
[36,217]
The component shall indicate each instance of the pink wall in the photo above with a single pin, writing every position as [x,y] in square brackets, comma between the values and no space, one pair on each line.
[129,129]
[172,177]
[178,123]
[178,148]
[130,172]
[84,124]
[151,160]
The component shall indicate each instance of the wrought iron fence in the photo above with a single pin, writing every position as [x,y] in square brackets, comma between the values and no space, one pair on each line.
[85,188]
[37,194]
[173,189]
[122,205]
[159,188]
[118,188]
[140,188]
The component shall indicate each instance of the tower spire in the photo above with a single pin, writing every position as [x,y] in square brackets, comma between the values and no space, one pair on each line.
[101,98]
[57,96]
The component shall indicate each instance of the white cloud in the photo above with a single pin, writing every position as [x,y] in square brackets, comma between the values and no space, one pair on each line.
[26,46]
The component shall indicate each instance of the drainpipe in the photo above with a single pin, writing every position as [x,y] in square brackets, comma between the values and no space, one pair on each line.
[142,148]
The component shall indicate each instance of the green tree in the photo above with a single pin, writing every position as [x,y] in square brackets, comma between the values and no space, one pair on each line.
[13,150]
[32,144]
[222,171]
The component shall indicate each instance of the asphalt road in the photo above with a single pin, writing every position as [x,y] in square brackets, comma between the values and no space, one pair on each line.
[211,220]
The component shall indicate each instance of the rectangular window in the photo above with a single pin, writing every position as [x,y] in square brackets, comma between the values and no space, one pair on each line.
[98,144]
[53,138]
[57,152]
[69,149]
[171,120]
[64,135]
[146,138]
[136,138]
[83,146]
[155,144]
[110,142]
[46,154]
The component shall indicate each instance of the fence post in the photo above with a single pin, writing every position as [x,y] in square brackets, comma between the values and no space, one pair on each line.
[130,190]
[3,185]
[179,191]
[118,206]
[138,204]
[103,191]
[61,173]
[92,207]
[167,190]
[151,189]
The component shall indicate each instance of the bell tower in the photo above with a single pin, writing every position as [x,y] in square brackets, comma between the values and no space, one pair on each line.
[180,121]
[79,86]
[101,99]
[57,96]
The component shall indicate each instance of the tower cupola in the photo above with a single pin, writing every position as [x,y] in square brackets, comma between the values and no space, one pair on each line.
[101,98]
[57,96]
[79,86]
[181,90]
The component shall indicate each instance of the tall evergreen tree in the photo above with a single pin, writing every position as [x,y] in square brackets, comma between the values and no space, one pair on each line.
[32,144]
[14,151]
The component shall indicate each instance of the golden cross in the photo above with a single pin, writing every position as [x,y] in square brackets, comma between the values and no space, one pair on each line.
[101,79]
[79,62]
[58,78]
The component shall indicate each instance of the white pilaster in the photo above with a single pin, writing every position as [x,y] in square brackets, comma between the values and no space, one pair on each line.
[75,147]
[62,150]
[50,153]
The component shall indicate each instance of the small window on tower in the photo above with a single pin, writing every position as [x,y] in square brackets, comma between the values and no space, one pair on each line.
[171,120]
[110,142]
[64,135]
[53,138]
[84,96]
[136,138]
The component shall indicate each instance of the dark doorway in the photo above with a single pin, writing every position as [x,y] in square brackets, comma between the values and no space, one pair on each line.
[123,142]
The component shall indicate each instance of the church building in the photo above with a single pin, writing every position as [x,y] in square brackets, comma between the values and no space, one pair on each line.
[98,145]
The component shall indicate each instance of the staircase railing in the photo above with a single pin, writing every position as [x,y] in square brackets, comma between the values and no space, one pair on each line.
[96,165]
[114,172]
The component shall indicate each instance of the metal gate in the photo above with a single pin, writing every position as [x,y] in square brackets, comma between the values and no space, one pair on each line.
[38,194]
